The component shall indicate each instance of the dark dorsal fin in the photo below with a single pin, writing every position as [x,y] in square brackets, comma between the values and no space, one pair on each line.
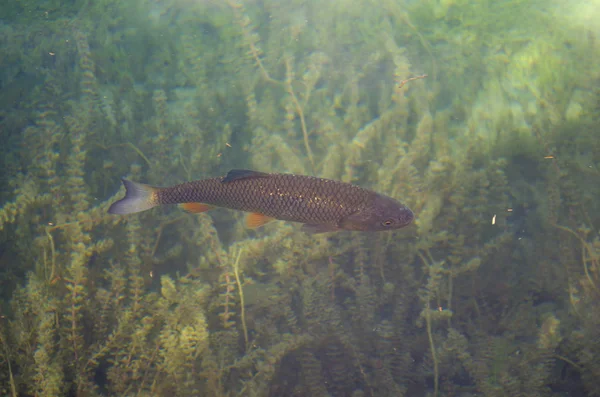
[236,175]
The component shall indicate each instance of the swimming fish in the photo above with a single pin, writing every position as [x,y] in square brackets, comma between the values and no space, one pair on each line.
[322,205]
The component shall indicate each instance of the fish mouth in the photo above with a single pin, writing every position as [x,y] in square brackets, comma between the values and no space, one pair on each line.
[407,217]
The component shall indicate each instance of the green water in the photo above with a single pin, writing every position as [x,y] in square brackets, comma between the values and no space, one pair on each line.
[481,116]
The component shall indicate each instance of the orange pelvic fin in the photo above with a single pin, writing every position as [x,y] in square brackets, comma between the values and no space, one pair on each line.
[195,208]
[254,220]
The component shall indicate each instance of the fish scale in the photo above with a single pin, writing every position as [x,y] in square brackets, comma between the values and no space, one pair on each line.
[289,197]
[323,205]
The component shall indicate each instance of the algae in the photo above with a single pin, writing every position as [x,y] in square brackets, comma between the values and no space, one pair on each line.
[494,291]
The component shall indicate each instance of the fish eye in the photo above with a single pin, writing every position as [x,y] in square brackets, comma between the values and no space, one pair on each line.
[387,222]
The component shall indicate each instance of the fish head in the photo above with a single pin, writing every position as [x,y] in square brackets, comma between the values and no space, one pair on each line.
[382,213]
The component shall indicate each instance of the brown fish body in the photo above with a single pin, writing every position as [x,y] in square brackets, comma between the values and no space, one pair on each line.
[322,204]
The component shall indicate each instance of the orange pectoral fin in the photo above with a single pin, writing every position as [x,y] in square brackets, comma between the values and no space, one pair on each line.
[195,208]
[254,220]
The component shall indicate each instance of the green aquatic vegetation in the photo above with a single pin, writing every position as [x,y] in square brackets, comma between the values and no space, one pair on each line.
[179,304]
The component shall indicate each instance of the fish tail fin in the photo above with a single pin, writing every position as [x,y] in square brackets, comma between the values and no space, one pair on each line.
[138,198]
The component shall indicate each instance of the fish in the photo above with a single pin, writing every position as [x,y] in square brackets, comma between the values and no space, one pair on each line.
[321,205]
